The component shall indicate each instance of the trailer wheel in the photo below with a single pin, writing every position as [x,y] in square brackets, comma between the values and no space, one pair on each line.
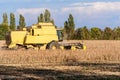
[53,45]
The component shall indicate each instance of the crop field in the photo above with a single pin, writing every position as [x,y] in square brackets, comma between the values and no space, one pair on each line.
[100,61]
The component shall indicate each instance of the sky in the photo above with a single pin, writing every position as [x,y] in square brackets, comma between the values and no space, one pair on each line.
[90,13]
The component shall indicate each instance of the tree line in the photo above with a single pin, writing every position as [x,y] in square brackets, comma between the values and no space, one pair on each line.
[81,33]
[94,33]
[6,26]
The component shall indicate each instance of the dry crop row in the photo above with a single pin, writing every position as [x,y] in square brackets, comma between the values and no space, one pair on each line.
[97,51]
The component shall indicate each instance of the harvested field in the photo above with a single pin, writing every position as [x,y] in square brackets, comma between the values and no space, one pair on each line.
[100,61]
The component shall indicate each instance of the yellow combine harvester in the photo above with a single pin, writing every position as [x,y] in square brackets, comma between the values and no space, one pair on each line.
[40,36]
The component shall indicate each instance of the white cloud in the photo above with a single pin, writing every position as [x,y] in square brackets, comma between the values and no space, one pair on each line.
[86,8]
[90,13]
[34,11]
[93,7]
[31,14]
[95,13]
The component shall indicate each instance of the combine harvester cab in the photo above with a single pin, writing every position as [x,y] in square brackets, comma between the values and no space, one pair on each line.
[40,36]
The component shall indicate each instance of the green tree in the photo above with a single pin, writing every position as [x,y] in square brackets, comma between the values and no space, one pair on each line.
[69,27]
[71,22]
[47,16]
[12,21]
[95,33]
[85,34]
[82,33]
[5,19]
[108,33]
[38,19]
[3,30]
[77,34]
[117,33]
[66,30]
[21,22]
[41,18]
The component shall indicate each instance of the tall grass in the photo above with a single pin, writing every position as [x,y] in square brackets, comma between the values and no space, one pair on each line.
[97,51]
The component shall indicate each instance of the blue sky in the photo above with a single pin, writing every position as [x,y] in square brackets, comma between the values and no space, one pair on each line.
[91,13]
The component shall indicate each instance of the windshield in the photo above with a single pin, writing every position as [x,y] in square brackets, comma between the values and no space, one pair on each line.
[60,35]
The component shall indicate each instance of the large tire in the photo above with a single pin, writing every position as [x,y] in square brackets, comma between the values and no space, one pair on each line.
[53,45]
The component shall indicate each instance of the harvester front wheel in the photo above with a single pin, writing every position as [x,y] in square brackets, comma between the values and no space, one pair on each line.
[53,45]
